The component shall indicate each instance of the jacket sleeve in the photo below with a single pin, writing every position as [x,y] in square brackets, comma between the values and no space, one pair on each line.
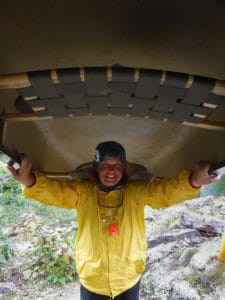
[169,191]
[62,193]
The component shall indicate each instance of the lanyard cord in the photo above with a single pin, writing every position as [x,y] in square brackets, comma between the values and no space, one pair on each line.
[111,206]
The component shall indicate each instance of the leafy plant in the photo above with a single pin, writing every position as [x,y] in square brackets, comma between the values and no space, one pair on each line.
[6,248]
[11,191]
[53,262]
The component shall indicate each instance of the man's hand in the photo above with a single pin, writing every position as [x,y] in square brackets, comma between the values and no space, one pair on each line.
[23,174]
[200,175]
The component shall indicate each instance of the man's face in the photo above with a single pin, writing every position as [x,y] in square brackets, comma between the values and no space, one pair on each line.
[110,171]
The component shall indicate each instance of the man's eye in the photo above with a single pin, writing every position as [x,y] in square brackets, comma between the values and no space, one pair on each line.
[118,166]
[106,167]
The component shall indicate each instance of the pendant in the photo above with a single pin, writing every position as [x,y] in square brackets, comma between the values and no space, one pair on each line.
[112,229]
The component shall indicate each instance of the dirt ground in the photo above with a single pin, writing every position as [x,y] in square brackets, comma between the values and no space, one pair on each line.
[70,291]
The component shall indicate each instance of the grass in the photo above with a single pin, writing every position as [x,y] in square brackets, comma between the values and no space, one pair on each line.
[205,282]
[13,205]
[13,213]
[168,221]
[48,265]
[51,214]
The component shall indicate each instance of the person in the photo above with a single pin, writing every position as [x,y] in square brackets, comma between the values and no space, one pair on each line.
[221,254]
[111,243]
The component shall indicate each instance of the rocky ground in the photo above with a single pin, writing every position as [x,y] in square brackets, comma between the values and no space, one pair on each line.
[183,240]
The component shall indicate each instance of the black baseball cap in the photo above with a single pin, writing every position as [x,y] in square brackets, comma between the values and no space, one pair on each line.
[107,149]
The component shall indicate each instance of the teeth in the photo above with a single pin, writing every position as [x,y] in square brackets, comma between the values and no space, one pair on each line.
[110,178]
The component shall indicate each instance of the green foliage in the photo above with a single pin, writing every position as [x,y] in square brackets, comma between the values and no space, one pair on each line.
[190,253]
[13,205]
[49,214]
[206,282]
[168,221]
[52,261]
[6,248]
[11,193]
[10,190]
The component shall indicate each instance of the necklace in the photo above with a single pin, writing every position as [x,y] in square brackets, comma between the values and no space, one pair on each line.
[102,201]
[109,218]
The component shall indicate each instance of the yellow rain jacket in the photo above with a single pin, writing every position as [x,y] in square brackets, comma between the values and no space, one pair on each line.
[221,255]
[110,262]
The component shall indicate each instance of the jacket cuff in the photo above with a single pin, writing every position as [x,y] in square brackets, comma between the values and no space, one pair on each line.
[34,176]
[192,184]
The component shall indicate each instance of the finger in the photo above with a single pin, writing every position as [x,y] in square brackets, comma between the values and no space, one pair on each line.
[25,163]
[216,177]
[13,171]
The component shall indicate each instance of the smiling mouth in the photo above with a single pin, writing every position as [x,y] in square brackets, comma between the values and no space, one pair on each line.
[110,178]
